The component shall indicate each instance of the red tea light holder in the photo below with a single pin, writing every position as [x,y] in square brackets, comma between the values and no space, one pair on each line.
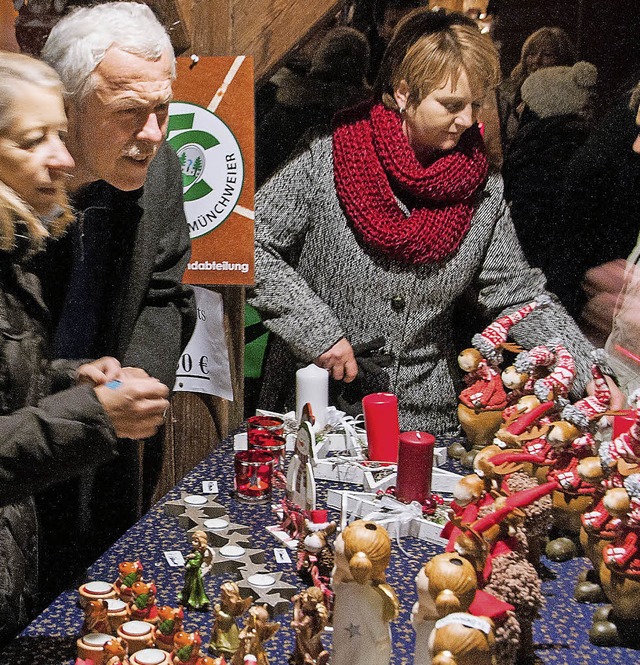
[383,429]
[415,466]
[253,476]
[261,425]
[270,443]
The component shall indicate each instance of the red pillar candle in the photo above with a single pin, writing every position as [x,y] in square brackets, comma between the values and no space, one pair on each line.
[415,465]
[381,422]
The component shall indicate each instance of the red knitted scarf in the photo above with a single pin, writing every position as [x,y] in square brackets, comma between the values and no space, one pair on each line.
[372,156]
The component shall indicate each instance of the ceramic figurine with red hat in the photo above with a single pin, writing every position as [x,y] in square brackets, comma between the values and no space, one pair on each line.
[620,569]
[256,631]
[310,617]
[315,555]
[225,632]
[169,623]
[364,602]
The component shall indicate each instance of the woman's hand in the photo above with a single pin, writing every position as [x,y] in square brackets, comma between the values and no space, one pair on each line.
[339,361]
[618,399]
[99,371]
[136,407]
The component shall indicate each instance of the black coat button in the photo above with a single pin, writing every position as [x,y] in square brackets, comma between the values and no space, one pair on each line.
[397,303]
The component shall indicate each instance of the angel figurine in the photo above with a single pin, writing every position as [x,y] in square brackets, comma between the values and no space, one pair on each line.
[193,594]
[364,602]
[310,617]
[257,630]
[225,632]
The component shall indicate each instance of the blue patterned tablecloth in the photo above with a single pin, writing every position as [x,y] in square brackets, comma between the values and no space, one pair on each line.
[560,635]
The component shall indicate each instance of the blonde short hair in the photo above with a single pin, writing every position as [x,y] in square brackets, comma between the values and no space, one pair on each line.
[426,60]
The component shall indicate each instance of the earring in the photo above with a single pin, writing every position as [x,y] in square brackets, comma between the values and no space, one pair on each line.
[402,110]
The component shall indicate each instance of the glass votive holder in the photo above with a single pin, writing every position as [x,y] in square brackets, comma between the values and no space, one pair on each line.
[264,425]
[273,444]
[253,476]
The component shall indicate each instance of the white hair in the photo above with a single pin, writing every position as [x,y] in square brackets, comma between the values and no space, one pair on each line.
[79,41]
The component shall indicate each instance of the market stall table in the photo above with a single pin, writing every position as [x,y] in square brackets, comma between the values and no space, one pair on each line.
[560,635]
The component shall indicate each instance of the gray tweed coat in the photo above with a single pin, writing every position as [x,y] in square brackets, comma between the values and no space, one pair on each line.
[316,283]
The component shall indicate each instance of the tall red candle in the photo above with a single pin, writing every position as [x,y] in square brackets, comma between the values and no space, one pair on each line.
[381,422]
[415,466]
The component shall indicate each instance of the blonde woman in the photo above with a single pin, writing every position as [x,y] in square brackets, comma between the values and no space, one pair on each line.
[364,602]
[44,437]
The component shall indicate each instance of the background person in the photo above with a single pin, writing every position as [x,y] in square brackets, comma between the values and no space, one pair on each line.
[381,228]
[546,47]
[44,437]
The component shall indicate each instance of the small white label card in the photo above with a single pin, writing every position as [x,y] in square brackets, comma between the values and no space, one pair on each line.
[175,559]
[281,554]
[210,487]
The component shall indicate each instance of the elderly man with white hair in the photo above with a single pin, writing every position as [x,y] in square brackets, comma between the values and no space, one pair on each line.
[121,265]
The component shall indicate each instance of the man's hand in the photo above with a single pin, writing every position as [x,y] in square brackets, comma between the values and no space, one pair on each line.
[136,407]
[339,361]
[99,371]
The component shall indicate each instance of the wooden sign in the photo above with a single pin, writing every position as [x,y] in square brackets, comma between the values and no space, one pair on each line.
[211,127]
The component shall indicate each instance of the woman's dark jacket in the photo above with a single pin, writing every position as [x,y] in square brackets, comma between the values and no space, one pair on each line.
[43,437]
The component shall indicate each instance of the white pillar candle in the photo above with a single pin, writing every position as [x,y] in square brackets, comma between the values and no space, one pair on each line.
[312,386]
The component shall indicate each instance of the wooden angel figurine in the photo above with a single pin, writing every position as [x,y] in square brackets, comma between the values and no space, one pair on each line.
[310,617]
[257,630]
[193,594]
[462,639]
[364,602]
[445,584]
[225,632]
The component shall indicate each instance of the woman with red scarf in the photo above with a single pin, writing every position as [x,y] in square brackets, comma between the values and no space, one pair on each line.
[375,230]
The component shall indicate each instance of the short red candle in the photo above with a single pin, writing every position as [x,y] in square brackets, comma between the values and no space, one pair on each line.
[415,466]
[253,476]
[381,422]
[264,425]
[622,423]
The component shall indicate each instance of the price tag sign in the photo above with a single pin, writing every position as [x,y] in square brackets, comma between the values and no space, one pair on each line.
[204,364]
[175,559]
[210,487]
[281,554]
